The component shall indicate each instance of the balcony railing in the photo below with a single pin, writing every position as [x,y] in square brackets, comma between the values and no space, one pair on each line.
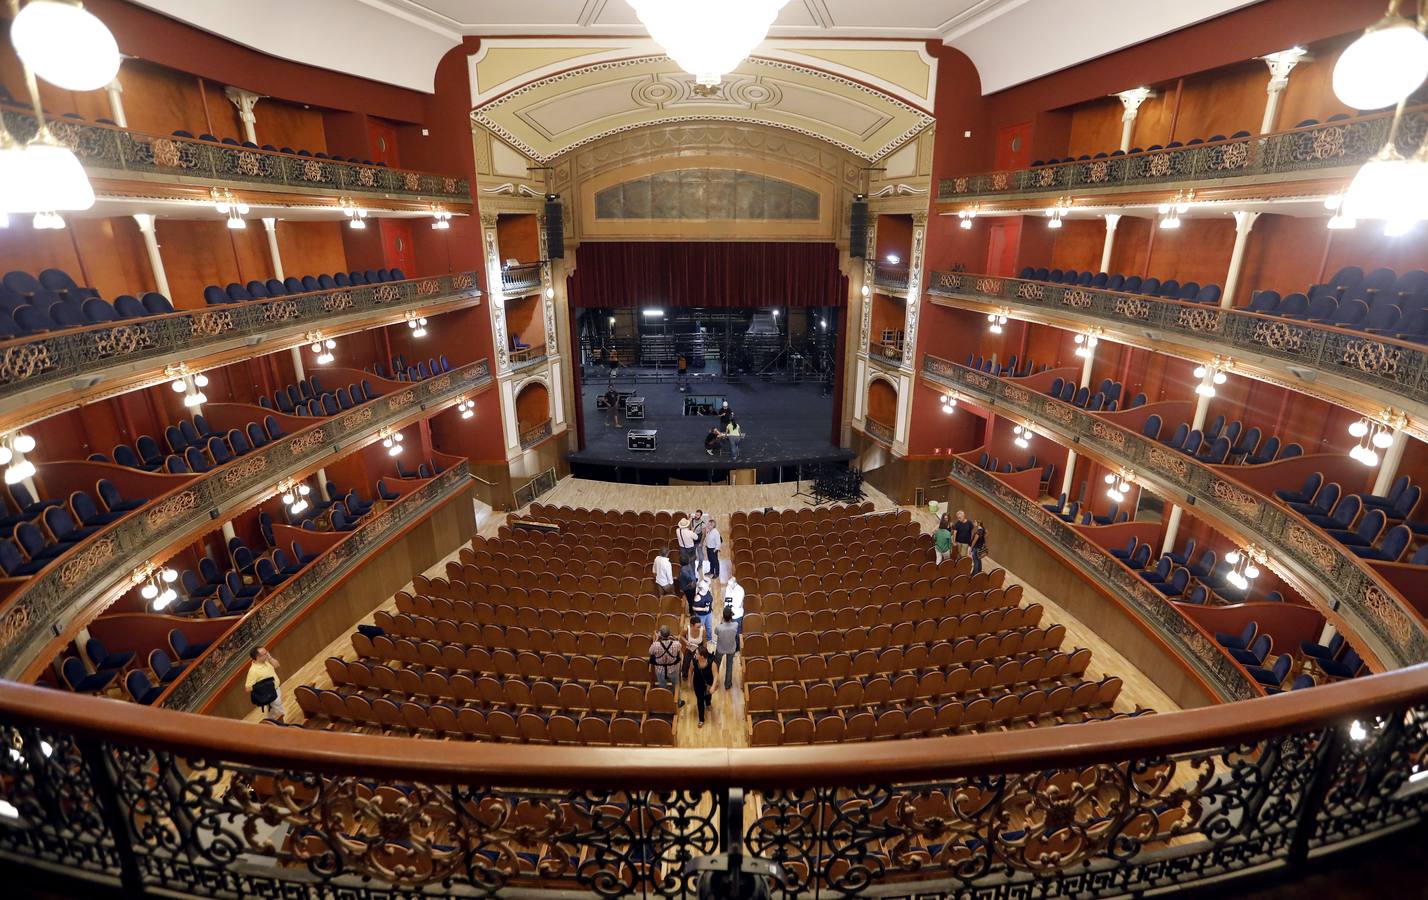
[1395,367]
[157,801]
[535,435]
[96,568]
[1226,677]
[890,277]
[205,675]
[1286,156]
[108,151]
[536,488]
[878,431]
[1334,574]
[521,279]
[101,352]
[888,351]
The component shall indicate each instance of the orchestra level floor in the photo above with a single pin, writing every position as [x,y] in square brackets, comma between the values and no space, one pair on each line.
[728,725]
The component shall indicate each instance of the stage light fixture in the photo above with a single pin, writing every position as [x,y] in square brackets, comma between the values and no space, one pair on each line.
[652,312]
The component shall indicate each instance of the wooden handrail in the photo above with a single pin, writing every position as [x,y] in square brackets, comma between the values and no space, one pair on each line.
[618,768]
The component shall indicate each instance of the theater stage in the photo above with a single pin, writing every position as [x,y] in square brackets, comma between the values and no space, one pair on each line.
[784,424]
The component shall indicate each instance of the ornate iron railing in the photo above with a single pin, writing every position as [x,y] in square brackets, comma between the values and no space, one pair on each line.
[100,565]
[112,152]
[522,278]
[1339,578]
[1395,367]
[890,277]
[54,360]
[878,431]
[1227,678]
[534,435]
[165,802]
[1288,155]
[891,354]
[536,488]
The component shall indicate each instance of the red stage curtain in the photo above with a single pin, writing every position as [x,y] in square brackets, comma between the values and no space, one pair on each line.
[707,274]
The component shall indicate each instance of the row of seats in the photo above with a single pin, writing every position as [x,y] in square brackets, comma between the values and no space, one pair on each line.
[1169,289]
[567,632]
[249,145]
[1172,145]
[1210,584]
[307,397]
[195,447]
[1381,302]
[784,658]
[1074,513]
[294,285]
[1107,396]
[1009,370]
[1372,527]
[1332,662]
[31,306]
[105,667]
[38,531]
[421,371]
[1219,444]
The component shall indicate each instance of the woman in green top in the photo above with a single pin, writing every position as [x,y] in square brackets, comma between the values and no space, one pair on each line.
[942,539]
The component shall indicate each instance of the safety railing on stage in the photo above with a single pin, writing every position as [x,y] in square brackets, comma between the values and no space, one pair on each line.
[1217,668]
[108,151]
[93,571]
[1321,565]
[1306,152]
[158,801]
[1392,366]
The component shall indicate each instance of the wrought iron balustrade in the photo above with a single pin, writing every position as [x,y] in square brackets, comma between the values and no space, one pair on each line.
[108,151]
[522,278]
[1287,155]
[204,676]
[1226,677]
[1386,364]
[878,431]
[534,435]
[101,564]
[890,277]
[1337,576]
[55,359]
[161,802]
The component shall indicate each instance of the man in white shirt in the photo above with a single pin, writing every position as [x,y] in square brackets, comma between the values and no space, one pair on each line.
[686,538]
[712,542]
[663,573]
[734,602]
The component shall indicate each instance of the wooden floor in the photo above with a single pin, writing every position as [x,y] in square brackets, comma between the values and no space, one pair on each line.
[727,725]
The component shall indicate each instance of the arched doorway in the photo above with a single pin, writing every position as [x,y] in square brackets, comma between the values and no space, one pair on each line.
[533,413]
[881,418]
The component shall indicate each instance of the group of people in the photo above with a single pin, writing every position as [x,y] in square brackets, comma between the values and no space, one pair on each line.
[727,431]
[954,537]
[689,656]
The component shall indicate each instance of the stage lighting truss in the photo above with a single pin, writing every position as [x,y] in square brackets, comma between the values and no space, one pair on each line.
[1118,484]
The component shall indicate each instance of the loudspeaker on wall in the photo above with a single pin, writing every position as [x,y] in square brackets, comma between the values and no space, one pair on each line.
[858,227]
[554,227]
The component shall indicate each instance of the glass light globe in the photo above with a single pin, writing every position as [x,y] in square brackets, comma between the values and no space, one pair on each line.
[1382,67]
[1221,378]
[1383,440]
[468,413]
[201,380]
[1054,223]
[170,576]
[1376,191]
[331,344]
[237,224]
[58,180]
[22,470]
[1358,429]
[304,490]
[65,45]
[1110,479]
[1200,371]
[5,456]
[1232,557]
[1369,458]
[1252,572]
[16,187]
[178,386]
[24,443]
[707,42]
[149,591]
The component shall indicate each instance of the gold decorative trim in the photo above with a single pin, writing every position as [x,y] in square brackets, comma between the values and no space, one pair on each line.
[176,506]
[95,556]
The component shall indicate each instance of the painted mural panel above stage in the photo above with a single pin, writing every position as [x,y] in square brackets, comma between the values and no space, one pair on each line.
[707,194]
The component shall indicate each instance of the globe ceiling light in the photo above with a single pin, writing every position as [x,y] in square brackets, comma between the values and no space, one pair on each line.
[1383,66]
[1377,191]
[53,178]
[707,41]
[66,45]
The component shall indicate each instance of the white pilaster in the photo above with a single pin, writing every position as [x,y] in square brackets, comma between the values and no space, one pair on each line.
[1392,457]
[1280,65]
[914,291]
[1244,223]
[1112,220]
[1172,530]
[115,91]
[245,101]
[271,227]
[1066,477]
[151,246]
[1131,100]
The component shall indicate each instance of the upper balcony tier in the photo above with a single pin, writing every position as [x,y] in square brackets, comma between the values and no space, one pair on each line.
[1356,369]
[521,279]
[1232,498]
[1228,167]
[118,158]
[46,374]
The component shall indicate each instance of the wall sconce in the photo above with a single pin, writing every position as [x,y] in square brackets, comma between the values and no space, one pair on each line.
[949,403]
[1023,436]
[392,441]
[995,321]
[1211,375]
[1374,435]
[1086,344]
[1171,210]
[294,496]
[965,217]
[1245,565]
[442,217]
[322,347]
[1063,205]
[155,584]
[467,408]
[12,455]
[191,386]
[1118,485]
[417,324]
[356,215]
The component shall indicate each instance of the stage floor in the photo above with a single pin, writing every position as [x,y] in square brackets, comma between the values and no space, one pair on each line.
[783,424]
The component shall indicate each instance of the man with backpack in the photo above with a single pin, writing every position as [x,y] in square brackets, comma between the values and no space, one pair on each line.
[262,683]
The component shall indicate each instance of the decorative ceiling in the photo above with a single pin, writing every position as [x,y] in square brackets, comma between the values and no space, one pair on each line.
[546,97]
[400,41]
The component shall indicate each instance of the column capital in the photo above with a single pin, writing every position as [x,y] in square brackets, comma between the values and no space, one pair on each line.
[245,101]
[270,224]
[145,221]
[1280,64]
[1244,220]
[114,87]
[1112,220]
[1132,99]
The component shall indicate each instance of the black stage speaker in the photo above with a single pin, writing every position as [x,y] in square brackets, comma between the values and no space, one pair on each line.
[555,227]
[858,227]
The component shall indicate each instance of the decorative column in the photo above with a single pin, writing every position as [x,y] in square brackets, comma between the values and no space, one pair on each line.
[914,295]
[870,265]
[151,244]
[1280,65]
[1066,477]
[494,293]
[1392,457]
[1112,220]
[1244,222]
[115,90]
[245,101]
[270,227]
[1131,100]
[552,342]
[1172,529]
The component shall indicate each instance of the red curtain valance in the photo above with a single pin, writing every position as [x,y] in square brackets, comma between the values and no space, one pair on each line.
[706,274]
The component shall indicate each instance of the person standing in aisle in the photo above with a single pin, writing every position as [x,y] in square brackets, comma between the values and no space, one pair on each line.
[696,637]
[663,573]
[962,532]
[726,645]
[942,540]
[978,546]
[702,680]
[688,581]
[664,656]
[713,540]
[686,538]
[735,435]
[703,606]
[734,605]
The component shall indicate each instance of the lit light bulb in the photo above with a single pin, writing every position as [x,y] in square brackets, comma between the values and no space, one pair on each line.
[1251,572]
[178,386]
[66,45]
[1357,731]
[167,597]
[149,591]
[550,293]
[201,380]
[1376,191]
[331,344]
[894,259]
[1383,440]
[1339,222]
[169,576]
[967,224]
[24,443]
[357,225]
[1054,223]
[1358,429]
[1110,479]
[288,498]
[1333,202]
[1163,209]
[304,490]
[1383,66]
[1233,557]
[1200,371]
[5,455]
[1205,390]
[1220,378]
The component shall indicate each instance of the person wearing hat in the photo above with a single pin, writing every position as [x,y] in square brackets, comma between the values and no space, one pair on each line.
[686,538]
[703,606]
